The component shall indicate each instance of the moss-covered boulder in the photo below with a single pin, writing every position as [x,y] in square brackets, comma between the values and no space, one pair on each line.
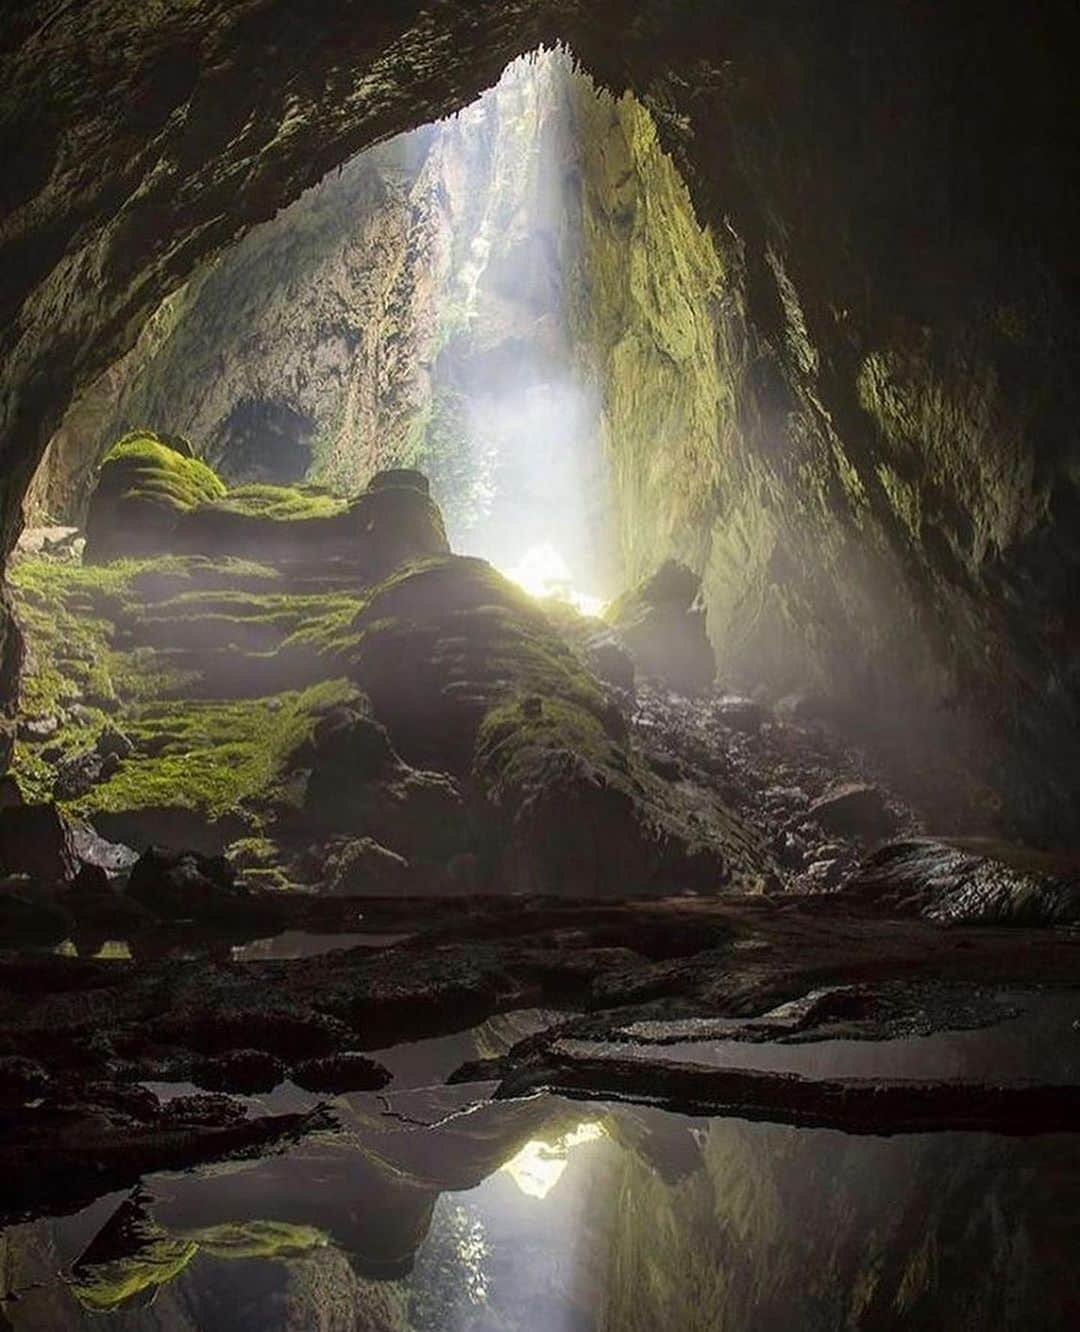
[441,642]
[374,532]
[153,500]
[143,489]
[662,622]
[468,674]
[579,813]
[354,782]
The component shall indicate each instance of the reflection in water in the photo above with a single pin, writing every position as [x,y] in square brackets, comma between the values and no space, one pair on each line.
[539,1166]
[546,1216]
[109,950]
[303,943]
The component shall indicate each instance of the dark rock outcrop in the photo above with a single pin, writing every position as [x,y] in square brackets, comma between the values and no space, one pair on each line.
[853,809]
[662,622]
[38,841]
[363,867]
[245,1071]
[354,781]
[973,882]
[340,1073]
[184,885]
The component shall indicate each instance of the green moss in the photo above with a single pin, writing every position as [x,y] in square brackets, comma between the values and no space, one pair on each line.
[455,598]
[141,465]
[513,734]
[158,1259]
[213,757]
[258,1239]
[280,503]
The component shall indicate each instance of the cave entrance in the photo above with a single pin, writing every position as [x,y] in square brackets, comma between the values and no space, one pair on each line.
[516,300]
[424,306]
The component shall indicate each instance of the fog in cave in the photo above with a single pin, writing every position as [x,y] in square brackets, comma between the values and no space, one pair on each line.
[538,683]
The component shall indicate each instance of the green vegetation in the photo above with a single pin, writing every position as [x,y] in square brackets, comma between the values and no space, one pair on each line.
[143,466]
[111,644]
[511,640]
[280,503]
[518,735]
[213,757]
[158,1257]
[257,1239]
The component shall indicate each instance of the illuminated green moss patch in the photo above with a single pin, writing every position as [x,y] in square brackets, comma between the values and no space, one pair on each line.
[142,465]
[280,503]
[213,757]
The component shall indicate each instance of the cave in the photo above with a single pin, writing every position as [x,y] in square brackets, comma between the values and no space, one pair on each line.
[539,698]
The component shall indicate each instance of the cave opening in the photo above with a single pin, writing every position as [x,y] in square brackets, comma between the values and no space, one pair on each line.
[538,692]
[427,304]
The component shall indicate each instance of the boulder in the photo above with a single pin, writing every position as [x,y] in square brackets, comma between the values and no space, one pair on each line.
[372,533]
[152,499]
[113,742]
[92,850]
[38,841]
[143,488]
[361,866]
[184,885]
[443,641]
[853,809]
[971,882]
[400,476]
[355,782]
[248,1072]
[340,1073]
[37,729]
[80,772]
[662,623]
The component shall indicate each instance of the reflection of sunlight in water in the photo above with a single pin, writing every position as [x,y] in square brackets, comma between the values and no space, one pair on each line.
[543,572]
[539,1166]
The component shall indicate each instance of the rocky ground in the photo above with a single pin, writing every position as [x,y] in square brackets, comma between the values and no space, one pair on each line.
[338,728]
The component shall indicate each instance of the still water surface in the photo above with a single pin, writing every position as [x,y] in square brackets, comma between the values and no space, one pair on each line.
[434,1209]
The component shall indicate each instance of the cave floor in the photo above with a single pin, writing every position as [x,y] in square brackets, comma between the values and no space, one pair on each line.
[363,1089]
[549,1072]
[763,1006]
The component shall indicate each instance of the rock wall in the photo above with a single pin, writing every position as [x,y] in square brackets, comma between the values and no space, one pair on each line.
[411,309]
[890,191]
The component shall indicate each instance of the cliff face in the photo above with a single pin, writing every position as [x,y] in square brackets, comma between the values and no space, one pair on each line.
[518,300]
[302,352]
[781,1228]
[862,422]
[412,309]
